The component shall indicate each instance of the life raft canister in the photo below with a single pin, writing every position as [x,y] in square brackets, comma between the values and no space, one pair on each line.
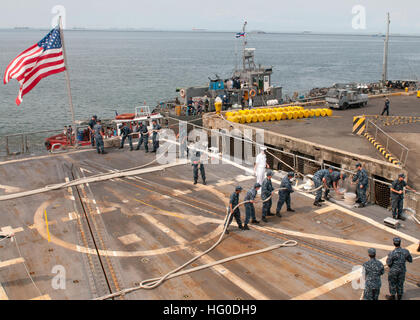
[125,116]
[252,93]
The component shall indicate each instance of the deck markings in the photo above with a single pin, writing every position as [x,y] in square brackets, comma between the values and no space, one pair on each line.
[241,178]
[129,239]
[324,210]
[42,157]
[46,225]
[40,226]
[331,239]
[10,189]
[10,230]
[334,284]
[162,210]
[44,297]
[11,262]
[239,282]
[3,295]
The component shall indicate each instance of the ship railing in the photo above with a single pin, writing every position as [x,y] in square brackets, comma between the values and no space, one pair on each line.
[391,145]
[378,191]
[32,143]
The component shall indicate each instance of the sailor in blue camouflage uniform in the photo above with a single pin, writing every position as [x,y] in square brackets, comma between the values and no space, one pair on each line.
[266,192]
[196,164]
[332,182]
[155,137]
[233,202]
[284,193]
[126,133]
[396,262]
[144,137]
[321,177]
[397,196]
[249,206]
[362,184]
[373,270]
[97,130]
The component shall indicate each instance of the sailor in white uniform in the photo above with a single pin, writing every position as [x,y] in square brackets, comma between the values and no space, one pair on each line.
[261,165]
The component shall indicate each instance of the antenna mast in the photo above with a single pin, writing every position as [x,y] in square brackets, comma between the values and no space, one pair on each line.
[244,44]
[385,66]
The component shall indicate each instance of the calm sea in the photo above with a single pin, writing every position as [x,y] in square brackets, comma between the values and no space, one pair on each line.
[119,70]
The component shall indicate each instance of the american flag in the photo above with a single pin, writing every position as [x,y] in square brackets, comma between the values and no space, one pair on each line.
[39,61]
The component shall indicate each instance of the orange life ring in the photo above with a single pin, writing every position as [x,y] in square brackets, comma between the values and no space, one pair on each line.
[182,93]
[252,93]
[125,116]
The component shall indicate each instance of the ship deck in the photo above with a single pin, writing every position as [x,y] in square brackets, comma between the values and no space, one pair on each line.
[111,235]
[336,131]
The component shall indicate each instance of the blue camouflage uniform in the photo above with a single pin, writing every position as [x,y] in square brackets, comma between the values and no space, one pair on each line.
[196,158]
[373,269]
[397,200]
[234,200]
[125,131]
[266,190]
[144,137]
[249,207]
[155,139]
[317,179]
[284,194]
[98,138]
[334,177]
[396,261]
[92,135]
[362,180]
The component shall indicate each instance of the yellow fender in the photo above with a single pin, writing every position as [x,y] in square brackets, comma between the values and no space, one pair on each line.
[273,116]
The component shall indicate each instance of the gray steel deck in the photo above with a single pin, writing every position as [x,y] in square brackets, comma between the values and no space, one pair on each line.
[145,226]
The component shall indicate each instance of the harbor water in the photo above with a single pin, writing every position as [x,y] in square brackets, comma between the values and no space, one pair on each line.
[113,70]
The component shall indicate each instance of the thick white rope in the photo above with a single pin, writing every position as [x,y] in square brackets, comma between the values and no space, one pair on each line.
[155,282]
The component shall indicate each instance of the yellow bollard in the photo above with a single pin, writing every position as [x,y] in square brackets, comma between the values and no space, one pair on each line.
[261,117]
[323,113]
[254,117]
[267,117]
[289,115]
[248,118]
[242,119]
[306,113]
[301,115]
[295,114]
[278,116]
[311,113]
[317,112]
[273,116]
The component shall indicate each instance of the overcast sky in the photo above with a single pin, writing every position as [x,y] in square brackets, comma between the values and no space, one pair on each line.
[218,15]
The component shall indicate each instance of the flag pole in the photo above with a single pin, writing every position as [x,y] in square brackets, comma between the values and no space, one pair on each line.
[67,72]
